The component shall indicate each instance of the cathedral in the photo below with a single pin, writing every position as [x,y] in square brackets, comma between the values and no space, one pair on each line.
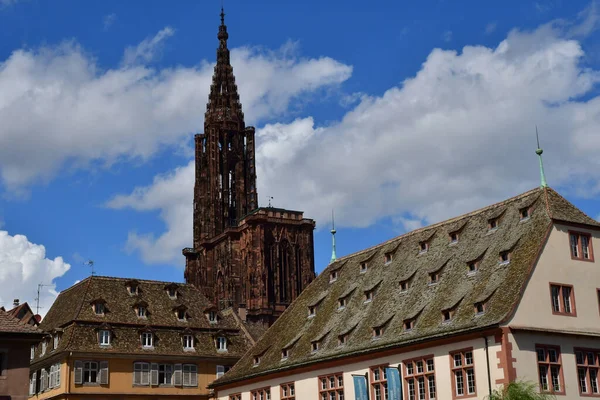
[253,259]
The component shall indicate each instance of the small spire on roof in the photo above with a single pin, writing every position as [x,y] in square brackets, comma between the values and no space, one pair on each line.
[333,231]
[222,15]
[539,152]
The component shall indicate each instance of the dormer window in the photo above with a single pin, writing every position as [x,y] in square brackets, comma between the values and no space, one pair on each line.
[423,247]
[377,332]
[333,275]
[181,315]
[132,289]
[480,307]
[312,311]
[104,337]
[213,317]
[56,341]
[524,214]
[363,267]
[493,224]
[147,340]
[342,301]
[221,343]
[369,296]
[315,346]
[141,312]
[409,324]
[434,277]
[188,342]
[343,339]
[447,315]
[504,257]
[387,258]
[256,360]
[453,237]
[44,344]
[99,308]
[172,292]
[473,267]
[285,354]
[404,285]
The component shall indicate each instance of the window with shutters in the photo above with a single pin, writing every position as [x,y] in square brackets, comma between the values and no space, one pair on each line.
[588,366]
[379,386]
[141,373]
[463,374]
[581,246]
[104,337]
[147,340]
[43,380]
[190,375]
[261,394]
[331,387]
[32,383]
[54,377]
[563,299]
[419,375]
[165,374]
[90,372]
[550,369]
[288,391]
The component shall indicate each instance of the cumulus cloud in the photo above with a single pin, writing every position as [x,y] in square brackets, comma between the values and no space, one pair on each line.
[59,109]
[149,49]
[458,135]
[23,265]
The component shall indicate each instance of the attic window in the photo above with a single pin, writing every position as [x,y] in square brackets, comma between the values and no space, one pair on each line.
[480,307]
[369,296]
[363,267]
[333,275]
[181,315]
[188,342]
[388,258]
[448,314]
[172,292]
[524,214]
[142,312]
[404,285]
[409,324]
[343,339]
[221,343]
[453,237]
[473,267]
[256,360]
[377,332]
[493,224]
[99,308]
[285,353]
[434,277]
[213,317]
[342,301]
[315,346]
[312,311]
[504,257]
[147,340]
[132,289]
[423,247]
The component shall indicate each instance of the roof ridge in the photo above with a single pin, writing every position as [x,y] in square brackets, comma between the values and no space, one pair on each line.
[105,277]
[437,224]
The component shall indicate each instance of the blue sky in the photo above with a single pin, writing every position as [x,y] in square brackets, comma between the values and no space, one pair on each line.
[395,114]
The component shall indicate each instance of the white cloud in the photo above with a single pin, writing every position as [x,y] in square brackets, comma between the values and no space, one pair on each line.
[457,136]
[23,265]
[109,20]
[59,109]
[149,49]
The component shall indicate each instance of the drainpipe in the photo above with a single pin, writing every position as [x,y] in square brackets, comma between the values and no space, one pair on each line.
[487,359]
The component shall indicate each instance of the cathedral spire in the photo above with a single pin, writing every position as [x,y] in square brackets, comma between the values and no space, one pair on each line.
[223,100]
[539,152]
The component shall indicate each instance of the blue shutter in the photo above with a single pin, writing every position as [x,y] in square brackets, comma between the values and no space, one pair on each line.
[360,387]
[394,384]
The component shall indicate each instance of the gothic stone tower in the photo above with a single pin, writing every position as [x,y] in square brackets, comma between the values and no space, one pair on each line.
[255,260]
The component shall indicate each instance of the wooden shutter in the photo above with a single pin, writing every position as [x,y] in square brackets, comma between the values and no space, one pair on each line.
[57,374]
[44,380]
[193,375]
[32,383]
[154,374]
[177,378]
[145,374]
[137,375]
[186,375]
[104,372]
[78,372]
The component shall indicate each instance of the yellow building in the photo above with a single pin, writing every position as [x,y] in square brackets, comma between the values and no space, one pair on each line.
[120,338]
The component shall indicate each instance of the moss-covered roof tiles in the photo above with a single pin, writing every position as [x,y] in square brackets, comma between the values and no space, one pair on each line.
[499,284]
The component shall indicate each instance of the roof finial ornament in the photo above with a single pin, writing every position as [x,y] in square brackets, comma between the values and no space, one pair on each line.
[539,152]
[333,231]
[222,14]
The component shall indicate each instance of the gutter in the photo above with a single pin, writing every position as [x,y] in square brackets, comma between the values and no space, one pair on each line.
[487,363]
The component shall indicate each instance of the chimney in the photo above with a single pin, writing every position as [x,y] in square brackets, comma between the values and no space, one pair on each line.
[242,312]
[15,302]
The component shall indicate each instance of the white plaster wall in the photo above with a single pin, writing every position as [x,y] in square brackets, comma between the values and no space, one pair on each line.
[555,265]
[526,359]
[306,384]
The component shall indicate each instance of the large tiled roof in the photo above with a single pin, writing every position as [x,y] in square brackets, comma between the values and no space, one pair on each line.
[498,285]
[72,316]
[10,324]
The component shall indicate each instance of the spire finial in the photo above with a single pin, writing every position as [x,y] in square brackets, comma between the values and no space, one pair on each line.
[222,15]
[333,231]
[539,152]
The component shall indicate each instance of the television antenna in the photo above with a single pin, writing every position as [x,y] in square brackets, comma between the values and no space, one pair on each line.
[90,263]
[37,299]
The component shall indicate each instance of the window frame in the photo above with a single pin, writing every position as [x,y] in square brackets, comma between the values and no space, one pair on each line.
[291,394]
[388,258]
[406,376]
[376,382]
[221,340]
[99,308]
[579,256]
[452,240]
[263,393]
[145,335]
[100,336]
[328,390]
[463,368]
[185,342]
[588,367]
[573,312]
[549,364]
[84,368]
[423,246]
[235,396]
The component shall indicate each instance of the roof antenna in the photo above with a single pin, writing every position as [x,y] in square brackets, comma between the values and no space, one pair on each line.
[37,299]
[333,231]
[90,263]
[270,198]
[539,152]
